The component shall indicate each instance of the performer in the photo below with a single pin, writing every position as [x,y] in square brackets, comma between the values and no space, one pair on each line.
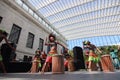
[36,64]
[115,59]
[66,62]
[86,51]
[53,50]
[3,36]
[69,63]
[52,42]
[90,52]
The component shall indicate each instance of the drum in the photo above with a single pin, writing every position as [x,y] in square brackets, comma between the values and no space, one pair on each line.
[106,63]
[57,64]
[34,68]
[93,67]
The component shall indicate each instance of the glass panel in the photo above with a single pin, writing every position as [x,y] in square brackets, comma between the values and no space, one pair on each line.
[35,15]
[40,20]
[25,7]
[31,12]
[19,2]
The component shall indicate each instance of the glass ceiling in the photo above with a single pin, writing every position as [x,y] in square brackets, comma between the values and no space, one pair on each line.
[80,19]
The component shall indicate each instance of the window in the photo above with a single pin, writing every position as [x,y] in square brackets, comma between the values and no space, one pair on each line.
[30,11]
[19,2]
[30,40]
[1,19]
[41,41]
[25,7]
[14,34]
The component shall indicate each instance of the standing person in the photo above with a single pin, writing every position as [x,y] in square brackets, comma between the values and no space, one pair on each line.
[52,42]
[3,36]
[43,58]
[53,50]
[115,58]
[36,64]
[86,52]
[92,56]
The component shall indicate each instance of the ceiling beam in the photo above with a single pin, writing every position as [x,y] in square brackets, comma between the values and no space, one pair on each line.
[75,15]
[67,8]
[79,21]
[47,4]
[78,36]
[80,27]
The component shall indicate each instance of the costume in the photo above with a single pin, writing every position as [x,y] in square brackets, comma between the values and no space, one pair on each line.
[93,57]
[90,53]
[36,64]
[51,45]
[115,59]
[49,56]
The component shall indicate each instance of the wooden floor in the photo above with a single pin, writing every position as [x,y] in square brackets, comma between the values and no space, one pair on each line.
[77,75]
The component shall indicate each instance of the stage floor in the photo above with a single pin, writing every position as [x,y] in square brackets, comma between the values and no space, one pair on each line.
[77,75]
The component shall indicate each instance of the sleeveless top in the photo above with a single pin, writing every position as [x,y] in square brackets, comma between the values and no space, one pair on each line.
[51,45]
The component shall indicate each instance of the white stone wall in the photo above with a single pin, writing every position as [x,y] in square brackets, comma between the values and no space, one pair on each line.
[12,16]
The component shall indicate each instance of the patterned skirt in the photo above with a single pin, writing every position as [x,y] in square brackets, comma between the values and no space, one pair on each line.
[93,57]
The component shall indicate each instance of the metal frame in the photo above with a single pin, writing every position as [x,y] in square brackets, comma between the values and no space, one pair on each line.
[74,18]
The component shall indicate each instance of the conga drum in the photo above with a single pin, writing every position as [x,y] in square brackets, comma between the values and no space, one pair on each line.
[57,64]
[106,63]
[34,68]
[93,67]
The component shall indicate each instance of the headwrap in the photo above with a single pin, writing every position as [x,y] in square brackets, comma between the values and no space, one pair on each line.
[86,42]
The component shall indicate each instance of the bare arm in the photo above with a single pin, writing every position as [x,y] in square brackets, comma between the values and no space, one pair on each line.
[98,49]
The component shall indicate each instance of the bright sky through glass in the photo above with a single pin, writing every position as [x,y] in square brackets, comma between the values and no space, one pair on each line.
[98,41]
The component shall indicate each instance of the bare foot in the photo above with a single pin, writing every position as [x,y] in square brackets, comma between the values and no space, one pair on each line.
[42,72]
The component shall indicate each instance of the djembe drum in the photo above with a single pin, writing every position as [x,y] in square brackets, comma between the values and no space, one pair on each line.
[106,63]
[57,64]
[93,66]
[34,68]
